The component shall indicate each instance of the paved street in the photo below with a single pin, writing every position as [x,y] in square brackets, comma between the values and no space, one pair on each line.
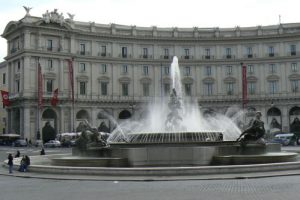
[15,188]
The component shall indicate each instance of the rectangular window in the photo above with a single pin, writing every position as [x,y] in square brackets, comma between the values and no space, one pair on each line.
[208,70]
[50,64]
[124,69]
[228,52]
[271,51]
[49,86]
[104,88]
[207,53]
[229,70]
[249,52]
[295,85]
[230,88]
[145,52]
[208,89]
[251,88]
[82,88]
[187,71]
[250,69]
[17,86]
[145,70]
[166,53]
[82,67]
[19,66]
[167,70]
[272,68]
[82,49]
[273,87]
[3,78]
[103,51]
[103,68]
[125,89]
[188,89]
[293,50]
[146,91]
[294,67]
[186,54]
[166,89]
[49,45]
[124,52]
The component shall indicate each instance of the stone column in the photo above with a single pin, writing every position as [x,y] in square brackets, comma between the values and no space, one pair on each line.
[26,75]
[27,39]
[26,123]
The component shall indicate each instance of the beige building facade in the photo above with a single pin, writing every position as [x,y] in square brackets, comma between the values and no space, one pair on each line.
[119,70]
[3,86]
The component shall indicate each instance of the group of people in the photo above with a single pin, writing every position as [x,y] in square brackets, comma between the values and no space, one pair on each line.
[24,163]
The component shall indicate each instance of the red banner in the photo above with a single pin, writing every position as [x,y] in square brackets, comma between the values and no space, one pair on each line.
[71,76]
[245,98]
[54,99]
[40,86]
[5,98]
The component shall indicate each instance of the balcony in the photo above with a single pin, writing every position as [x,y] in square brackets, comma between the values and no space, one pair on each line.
[293,53]
[145,56]
[250,56]
[228,56]
[271,54]
[49,48]
[82,52]
[103,54]
[186,57]
[207,57]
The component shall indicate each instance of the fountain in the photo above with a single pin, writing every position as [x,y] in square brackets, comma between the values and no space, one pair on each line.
[175,135]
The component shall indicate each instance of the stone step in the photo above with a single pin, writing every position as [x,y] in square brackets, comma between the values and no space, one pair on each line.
[274,157]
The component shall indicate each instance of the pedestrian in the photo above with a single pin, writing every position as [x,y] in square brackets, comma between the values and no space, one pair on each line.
[10,162]
[43,151]
[17,154]
[27,163]
[22,164]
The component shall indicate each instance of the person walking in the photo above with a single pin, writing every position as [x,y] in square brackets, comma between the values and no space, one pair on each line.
[27,163]
[10,162]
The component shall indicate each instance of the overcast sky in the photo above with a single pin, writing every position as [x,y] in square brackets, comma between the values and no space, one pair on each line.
[160,13]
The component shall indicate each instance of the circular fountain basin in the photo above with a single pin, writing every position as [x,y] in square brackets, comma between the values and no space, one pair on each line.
[184,154]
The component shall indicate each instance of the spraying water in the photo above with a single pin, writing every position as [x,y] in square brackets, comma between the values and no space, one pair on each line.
[187,117]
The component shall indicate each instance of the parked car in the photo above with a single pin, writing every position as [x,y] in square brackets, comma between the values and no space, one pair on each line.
[38,143]
[285,139]
[68,143]
[52,143]
[20,143]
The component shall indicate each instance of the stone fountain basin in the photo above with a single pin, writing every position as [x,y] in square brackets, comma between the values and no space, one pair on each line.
[180,154]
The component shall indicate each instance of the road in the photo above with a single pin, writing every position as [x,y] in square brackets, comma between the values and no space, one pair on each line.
[275,188]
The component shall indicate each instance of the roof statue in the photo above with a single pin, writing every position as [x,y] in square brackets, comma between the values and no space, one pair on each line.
[53,17]
[71,16]
[27,10]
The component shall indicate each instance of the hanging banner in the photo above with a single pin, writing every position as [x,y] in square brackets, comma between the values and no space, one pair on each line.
[71,76]
[54,99]
[244,73]
[5,98]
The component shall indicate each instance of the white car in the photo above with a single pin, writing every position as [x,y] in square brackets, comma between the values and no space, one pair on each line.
[52,143]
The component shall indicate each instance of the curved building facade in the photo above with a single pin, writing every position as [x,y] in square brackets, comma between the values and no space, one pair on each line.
[119,69]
